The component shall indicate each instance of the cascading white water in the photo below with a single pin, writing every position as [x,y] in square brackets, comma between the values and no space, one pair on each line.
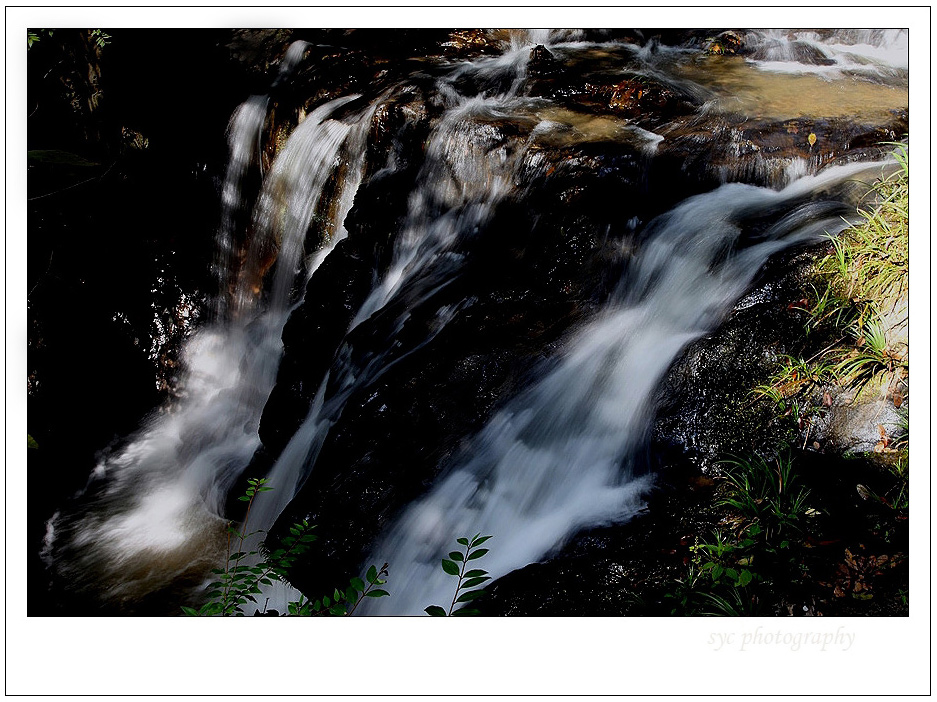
[245,133]
[557,458]
[466,172]
[155,511]
[861,52]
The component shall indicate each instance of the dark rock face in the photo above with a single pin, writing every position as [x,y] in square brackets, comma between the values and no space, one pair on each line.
[541,61]
[731,148]
[335,293]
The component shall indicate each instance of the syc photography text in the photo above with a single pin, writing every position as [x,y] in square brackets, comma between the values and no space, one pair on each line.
[840,640]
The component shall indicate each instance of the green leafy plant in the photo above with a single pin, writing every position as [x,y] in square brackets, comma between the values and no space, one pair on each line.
[685,595]
[864,274]
[246,571]
[342,602]
[767,493]
[736,603]
[100,38]
[35,35]
[724,560]
[467,589]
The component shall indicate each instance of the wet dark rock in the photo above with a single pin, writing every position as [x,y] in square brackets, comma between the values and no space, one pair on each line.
[339,287]
[647,102]
[604,570]
[467,43]
[729,148]
[705,409]
[257,52]
[401,120]
[541,61]
[727,43]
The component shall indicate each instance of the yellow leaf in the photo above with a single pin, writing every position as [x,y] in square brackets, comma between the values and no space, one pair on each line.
[812,139]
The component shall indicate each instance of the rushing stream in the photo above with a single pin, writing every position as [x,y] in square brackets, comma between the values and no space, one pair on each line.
[559,453]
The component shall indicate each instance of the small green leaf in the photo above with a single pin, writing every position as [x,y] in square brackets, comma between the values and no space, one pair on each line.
[463,541]
[477,554]
[479,542]
[472,582]
[326,602]
[190,612]
[477,573]
[732,573]
[351,594]
[435,611]
[450,567]
[245,498]
[465,613]
[717,571]
[455,555]
[358,584]
[377,592]
[745,577]
[337,610]
[371,574]
[471,595]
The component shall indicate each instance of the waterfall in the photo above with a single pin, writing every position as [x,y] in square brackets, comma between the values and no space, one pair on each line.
[245,135]
[467,171]
[558,457]
[151,512]
[845,52]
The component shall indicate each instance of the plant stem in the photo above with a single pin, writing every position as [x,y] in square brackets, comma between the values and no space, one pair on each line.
[459,584]
[382,571]
[240,550]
